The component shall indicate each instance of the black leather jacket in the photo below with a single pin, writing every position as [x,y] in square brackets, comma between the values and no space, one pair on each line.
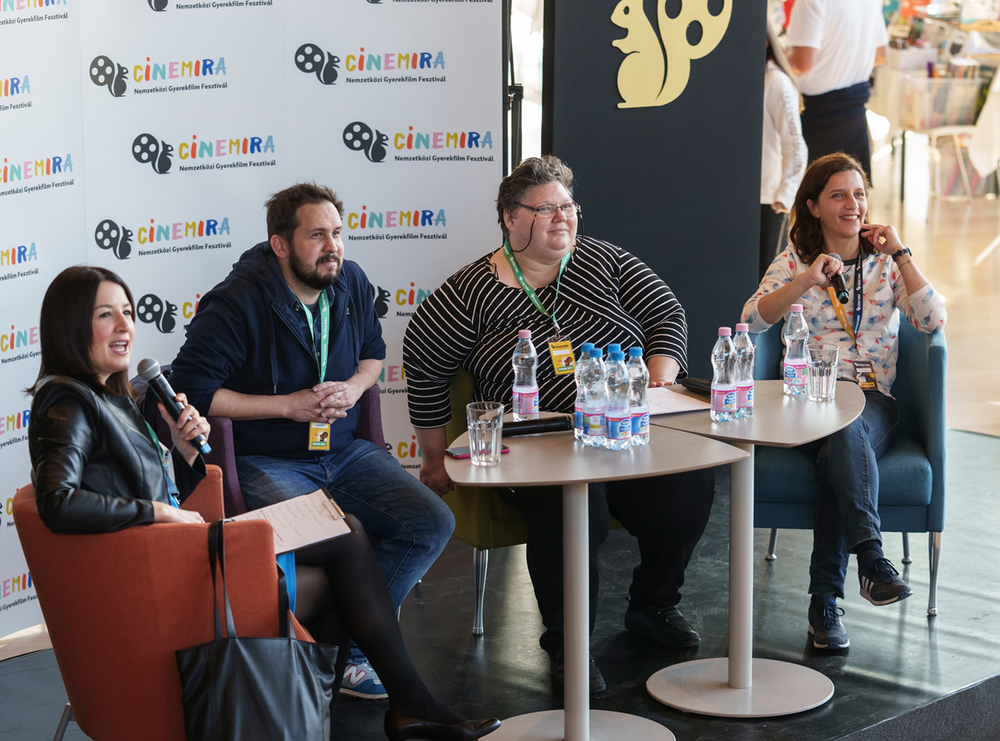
[94,466]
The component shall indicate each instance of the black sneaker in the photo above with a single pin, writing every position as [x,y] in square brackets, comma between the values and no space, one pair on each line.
[663,624]
[557,663]
[880,582]
[825,626]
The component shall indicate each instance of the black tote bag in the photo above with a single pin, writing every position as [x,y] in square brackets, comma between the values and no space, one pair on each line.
[255,689]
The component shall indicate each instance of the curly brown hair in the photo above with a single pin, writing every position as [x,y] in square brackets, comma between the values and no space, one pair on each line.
[805,232]
[283,206]
[531,172]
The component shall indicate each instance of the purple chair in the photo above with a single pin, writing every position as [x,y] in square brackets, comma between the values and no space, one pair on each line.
[223,452]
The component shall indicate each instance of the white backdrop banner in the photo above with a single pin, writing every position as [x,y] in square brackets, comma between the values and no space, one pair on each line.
[145,137]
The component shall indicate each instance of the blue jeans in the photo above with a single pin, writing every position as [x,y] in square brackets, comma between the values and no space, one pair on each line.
[411,520]
[847,507]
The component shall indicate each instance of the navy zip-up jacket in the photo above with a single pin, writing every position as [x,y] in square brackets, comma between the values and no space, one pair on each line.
[249,336]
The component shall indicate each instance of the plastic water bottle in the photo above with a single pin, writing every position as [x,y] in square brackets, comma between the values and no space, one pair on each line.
[578,406]
[744,370]
[796,366]
[724,381]
[595,400]
[525,362]
[618,414]
[613,347]
[639,375]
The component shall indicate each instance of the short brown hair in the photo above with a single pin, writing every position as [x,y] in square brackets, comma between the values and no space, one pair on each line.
[66,327]
[531,172]
[283,206]
[805,232]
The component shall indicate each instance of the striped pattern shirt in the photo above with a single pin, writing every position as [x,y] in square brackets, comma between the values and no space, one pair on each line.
[605,295]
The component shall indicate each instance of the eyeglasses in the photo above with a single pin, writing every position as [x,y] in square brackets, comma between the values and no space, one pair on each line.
[547,210]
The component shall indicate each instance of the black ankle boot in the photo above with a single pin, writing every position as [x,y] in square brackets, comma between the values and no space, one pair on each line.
[398,727]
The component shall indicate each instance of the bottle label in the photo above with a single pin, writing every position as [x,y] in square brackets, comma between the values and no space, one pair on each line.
[578,417]
[525,403]
[795,373]
[593,424]
[744,396]
[619,428]
[723,400]
[640,423]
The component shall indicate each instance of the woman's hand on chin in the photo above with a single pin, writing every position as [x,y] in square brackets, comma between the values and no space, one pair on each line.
[165,513]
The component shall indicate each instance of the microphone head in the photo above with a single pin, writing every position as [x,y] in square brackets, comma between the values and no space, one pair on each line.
[149,369]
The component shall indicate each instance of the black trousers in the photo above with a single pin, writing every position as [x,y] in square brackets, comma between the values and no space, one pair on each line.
[772,237]
[667,514]
[838,122]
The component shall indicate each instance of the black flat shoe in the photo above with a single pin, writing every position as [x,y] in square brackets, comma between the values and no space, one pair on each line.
[399,727]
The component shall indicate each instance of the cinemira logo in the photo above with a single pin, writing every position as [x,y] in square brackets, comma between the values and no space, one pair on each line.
[151,309]
[148,149]
[118,239]
[105,72]
[309,59]
[157,5]
[359,137]
[14,87]
[109,236]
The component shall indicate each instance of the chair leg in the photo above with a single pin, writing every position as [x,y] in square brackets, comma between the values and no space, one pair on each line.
[934,552]
[771,543]
[481,559]
[67,716]
[906,549]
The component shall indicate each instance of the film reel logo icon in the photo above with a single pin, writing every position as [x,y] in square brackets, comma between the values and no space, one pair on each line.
[359,137]
[147,149]
[657,69]
[309,58]
[104,72]
[110,236]
[151,309]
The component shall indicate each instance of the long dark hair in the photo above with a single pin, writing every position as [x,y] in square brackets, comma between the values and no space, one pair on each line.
[66,328]
[806,233]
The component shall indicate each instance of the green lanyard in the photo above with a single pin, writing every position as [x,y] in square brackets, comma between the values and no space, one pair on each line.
[512,261]
[324,349]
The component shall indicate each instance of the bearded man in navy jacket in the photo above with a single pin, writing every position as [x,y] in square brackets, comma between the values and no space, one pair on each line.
[285,346]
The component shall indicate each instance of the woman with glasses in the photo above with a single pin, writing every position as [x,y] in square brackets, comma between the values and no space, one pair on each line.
[562,286]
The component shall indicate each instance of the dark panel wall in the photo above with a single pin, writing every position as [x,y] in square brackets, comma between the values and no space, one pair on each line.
[678,184]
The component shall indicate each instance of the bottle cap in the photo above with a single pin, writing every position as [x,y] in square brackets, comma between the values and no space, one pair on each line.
[796,308]
[741,327]
[524,334]
[597,353]
[614,347]
[635,352]
[725,331]
[617,355]
[587,347]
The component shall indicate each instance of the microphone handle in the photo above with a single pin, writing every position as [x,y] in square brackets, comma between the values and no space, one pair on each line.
[166,394]
[840,287]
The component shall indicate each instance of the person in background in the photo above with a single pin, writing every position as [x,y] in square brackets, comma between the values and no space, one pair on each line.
[584,290]
[285,346]
[97,467]
[784,155]
[833,46]
[829,235]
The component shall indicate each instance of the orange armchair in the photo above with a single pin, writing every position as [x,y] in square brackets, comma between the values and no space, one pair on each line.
[117,606]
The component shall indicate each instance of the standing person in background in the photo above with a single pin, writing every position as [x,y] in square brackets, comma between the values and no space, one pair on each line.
[784,155]
[833,46]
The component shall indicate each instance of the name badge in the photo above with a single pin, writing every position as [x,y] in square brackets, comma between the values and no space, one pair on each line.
[319,436]
[866,375]
[562,357]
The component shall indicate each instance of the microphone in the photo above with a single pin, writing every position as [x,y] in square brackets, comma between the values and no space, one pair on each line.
[837,280]
[149,371]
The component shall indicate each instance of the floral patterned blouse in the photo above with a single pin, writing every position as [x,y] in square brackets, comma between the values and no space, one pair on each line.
[884,292]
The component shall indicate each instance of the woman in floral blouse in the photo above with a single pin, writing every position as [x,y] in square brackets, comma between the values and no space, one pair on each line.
[829,235]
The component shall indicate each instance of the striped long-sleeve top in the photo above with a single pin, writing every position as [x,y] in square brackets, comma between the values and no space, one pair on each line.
[605,295]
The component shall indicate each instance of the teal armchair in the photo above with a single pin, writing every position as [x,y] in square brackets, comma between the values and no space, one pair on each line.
[911,473]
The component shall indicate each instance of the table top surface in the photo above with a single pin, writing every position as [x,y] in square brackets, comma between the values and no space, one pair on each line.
[557,458]
[778,420]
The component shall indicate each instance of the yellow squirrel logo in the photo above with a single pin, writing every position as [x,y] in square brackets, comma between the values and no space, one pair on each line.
[656,70]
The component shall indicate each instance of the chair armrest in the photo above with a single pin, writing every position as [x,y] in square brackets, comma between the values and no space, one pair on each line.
[370,420]
[206,499]
[937,377]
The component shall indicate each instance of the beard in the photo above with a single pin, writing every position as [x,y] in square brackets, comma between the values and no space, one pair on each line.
[309,275]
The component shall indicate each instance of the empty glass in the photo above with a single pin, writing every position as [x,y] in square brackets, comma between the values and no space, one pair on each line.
[485,429]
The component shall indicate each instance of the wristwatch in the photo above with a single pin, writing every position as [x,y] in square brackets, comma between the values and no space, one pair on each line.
[899,253]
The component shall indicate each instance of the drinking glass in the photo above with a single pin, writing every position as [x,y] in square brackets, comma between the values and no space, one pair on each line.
[823,372]
[485,429]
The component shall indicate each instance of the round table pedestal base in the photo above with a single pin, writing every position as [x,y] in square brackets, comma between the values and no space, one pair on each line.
[604,726]
[779,688]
